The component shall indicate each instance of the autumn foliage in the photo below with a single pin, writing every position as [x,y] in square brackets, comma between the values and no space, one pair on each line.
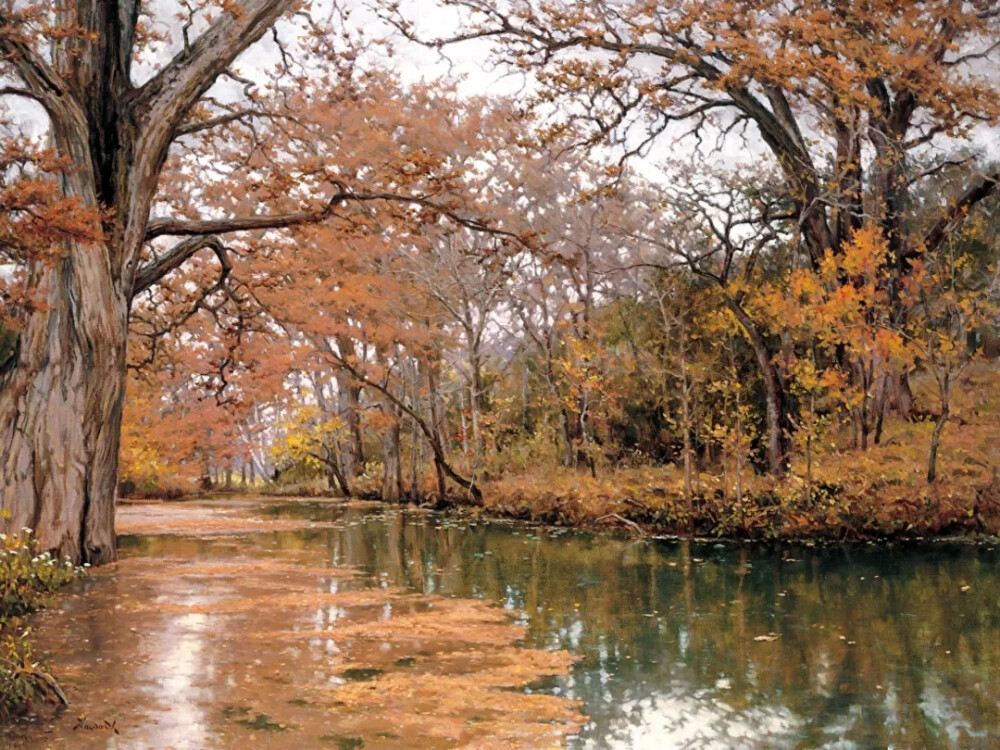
[748,244]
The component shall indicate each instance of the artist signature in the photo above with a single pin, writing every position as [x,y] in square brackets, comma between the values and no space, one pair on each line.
[84,724]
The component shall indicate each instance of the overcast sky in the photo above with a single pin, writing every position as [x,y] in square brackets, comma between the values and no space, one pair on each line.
[467,62]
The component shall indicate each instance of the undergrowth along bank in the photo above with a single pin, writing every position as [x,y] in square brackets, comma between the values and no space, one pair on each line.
[29,578]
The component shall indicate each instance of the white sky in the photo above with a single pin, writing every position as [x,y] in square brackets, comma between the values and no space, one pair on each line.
[467,62]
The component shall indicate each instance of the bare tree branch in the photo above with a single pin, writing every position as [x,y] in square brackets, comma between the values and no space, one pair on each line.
[43,83]
[959,209]
[172,91]
[184,227]
[156,269]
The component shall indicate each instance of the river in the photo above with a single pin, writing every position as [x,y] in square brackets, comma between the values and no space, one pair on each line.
[299,624]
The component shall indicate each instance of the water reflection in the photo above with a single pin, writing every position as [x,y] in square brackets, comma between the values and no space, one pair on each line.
[703,645]
[681,645]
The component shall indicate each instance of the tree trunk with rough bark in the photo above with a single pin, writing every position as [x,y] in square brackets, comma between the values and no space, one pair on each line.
[62,390]
[60,408]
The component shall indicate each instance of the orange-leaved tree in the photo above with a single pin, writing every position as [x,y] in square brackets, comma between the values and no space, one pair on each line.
[854,103]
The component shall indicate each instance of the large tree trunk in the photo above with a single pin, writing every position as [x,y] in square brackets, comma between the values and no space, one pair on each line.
[60,411]
[61,393]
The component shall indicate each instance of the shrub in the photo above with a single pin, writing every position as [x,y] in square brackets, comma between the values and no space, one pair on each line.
[28,579]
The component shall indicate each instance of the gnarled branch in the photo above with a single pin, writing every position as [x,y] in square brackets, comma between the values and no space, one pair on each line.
[958,210]
[187,227]
[156,269]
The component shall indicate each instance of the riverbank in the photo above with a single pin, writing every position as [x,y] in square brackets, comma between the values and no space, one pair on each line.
[844,493]
[856,508]
[863,504]
[868,502]
[840,493]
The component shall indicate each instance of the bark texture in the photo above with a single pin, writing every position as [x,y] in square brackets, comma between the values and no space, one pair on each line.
[61,392]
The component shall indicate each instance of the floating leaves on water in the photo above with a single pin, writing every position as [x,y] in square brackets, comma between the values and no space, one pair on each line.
[231,711]
[262,723]
[412,667]
[343,743]
[361,674]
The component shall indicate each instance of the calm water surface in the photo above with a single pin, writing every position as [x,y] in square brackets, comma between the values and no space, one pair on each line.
[680,645]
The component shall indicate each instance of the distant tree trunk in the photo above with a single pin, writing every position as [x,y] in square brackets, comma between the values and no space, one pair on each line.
[525,400]
[862,375]
[462,423]
[389,399]
[348,396]
[569,456]
[414,458]
[686,419]
[415,491]
[392,478]
[688,448]
[935,442]
[774,393]
[944,388]
[477,401]
[432,397]
[335,479]
[881,404]
[739,464]
[901,394]
[809,445]
[477,431]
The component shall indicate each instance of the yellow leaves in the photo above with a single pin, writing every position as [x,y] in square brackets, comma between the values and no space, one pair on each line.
[865,255]
[141,462]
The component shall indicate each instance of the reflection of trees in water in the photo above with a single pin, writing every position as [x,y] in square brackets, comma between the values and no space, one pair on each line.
[668,641]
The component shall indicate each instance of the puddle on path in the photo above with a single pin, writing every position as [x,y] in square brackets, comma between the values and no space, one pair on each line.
[238,645]
[203,519]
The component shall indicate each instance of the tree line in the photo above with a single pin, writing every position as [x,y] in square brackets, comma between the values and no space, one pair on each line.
[706,234]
